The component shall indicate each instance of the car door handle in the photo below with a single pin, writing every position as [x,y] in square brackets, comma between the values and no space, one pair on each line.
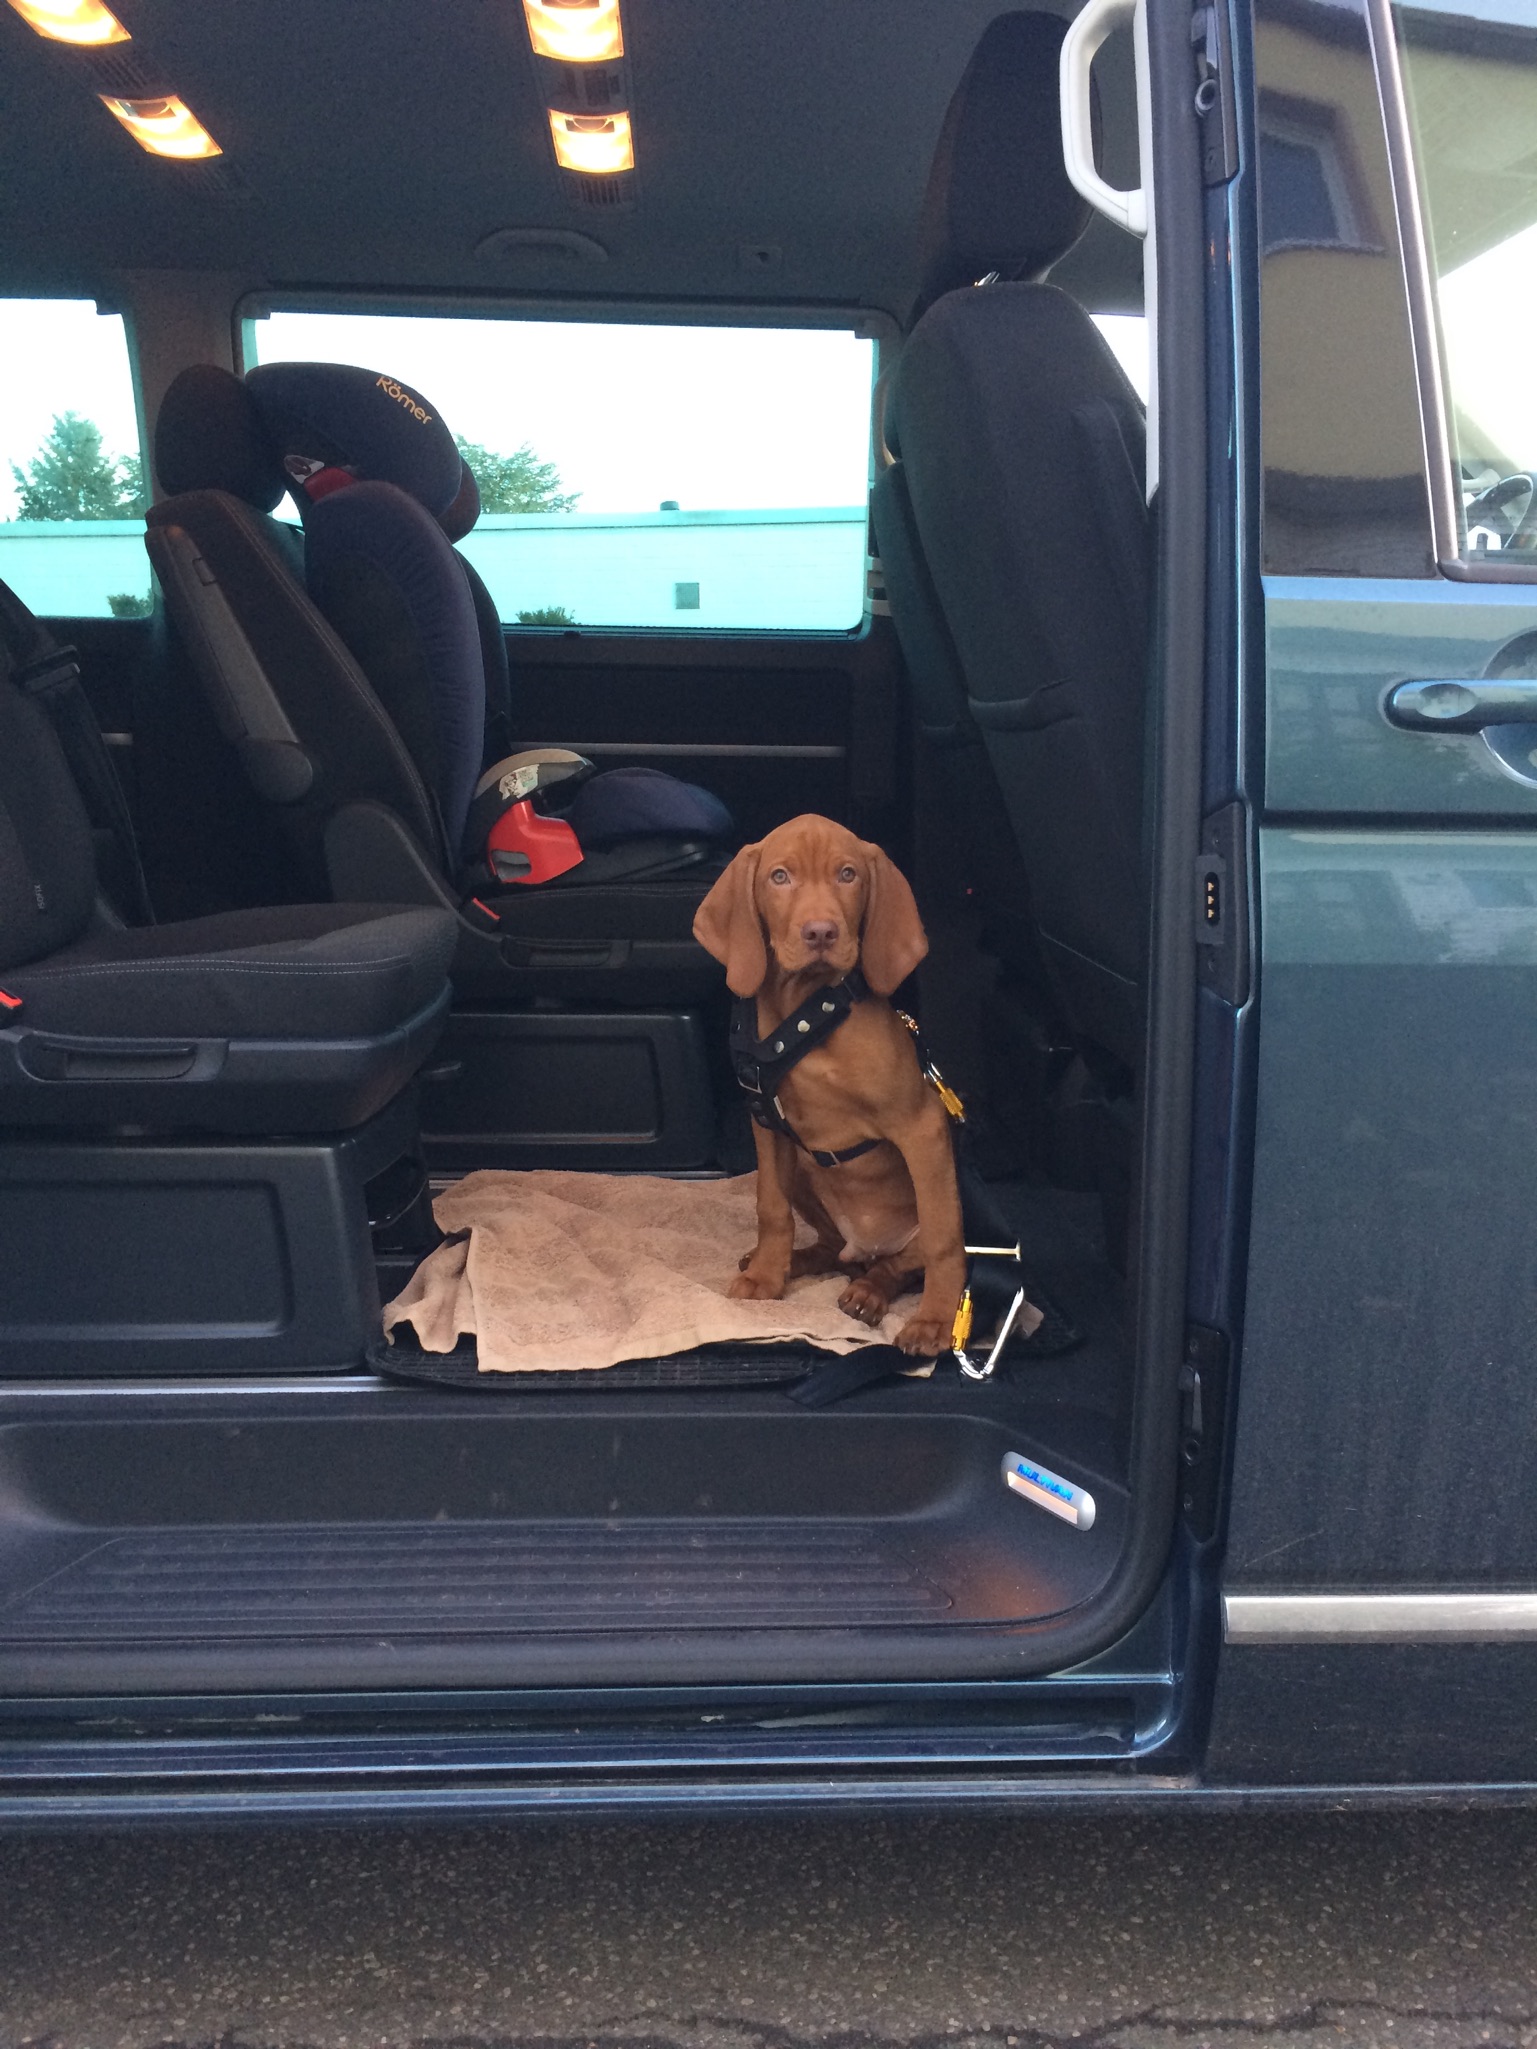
[1456,707]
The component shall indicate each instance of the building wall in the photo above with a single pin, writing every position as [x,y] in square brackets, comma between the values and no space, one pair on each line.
[795,570]
[67,568]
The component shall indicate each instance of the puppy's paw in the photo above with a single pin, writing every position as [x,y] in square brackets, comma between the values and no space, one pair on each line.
[865,1303]
[749,1287]
[924,1336]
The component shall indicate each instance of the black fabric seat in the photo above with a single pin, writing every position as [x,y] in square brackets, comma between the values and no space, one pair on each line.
[1013,531]
[360,672]
[309,1018]
[346,971]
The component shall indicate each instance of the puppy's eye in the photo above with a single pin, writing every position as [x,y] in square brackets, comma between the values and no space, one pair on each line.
[780,876]
[848,872]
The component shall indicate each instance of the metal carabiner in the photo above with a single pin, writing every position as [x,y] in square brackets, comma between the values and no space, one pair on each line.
[988,1367]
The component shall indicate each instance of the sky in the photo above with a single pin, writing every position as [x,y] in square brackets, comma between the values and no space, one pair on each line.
[1488,317]
[629,415]
[58,356]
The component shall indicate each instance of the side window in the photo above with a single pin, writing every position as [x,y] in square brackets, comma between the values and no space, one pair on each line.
[71,471]
[1128,338]
[639,475]
[1344,486]
[1469,81]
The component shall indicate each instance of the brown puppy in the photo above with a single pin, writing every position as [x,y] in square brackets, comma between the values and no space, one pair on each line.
[793,914]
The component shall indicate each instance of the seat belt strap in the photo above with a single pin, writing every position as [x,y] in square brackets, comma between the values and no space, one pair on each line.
[51,674]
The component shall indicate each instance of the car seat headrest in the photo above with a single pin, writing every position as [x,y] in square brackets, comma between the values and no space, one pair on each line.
[334,424]
[209,436]
[999,198]
[465,510]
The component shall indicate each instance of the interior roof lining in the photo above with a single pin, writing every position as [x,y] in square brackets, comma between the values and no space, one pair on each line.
[810,136]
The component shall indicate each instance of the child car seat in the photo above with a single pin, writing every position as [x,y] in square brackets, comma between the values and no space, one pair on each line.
[359,669]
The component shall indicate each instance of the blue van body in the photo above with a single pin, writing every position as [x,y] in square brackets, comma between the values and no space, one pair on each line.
[1327,1588]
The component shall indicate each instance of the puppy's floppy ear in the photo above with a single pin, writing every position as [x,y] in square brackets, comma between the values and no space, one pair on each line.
[893,940]
[727,924]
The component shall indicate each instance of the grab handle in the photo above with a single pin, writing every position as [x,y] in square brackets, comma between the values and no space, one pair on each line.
[1463,707]
[1087,32]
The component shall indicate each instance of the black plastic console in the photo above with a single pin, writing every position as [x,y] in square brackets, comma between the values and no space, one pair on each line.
[172,1255]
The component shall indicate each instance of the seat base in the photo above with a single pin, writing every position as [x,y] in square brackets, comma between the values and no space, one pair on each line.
[613,1091]
[188,1256]
[56,1080]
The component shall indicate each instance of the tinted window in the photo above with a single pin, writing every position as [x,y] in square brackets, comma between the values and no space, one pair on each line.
[1345,490]
[1471,87]
[71,473]
[634,476]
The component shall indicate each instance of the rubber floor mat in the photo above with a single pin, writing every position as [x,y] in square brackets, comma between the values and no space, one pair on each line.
[427,1580]
[710,1366]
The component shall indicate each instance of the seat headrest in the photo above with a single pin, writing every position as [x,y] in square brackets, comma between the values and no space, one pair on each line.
[999,198]
[334,424]
[465,510]
[209,436]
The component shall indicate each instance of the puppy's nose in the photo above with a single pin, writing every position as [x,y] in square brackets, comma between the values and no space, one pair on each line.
[819,932]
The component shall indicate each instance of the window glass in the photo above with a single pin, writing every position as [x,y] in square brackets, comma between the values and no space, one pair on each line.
[71,472]
[1127,335]
[639,476]
[1343,454]
[1470,77]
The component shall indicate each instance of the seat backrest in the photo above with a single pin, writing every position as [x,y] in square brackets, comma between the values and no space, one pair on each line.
[349,663]
[1013,527]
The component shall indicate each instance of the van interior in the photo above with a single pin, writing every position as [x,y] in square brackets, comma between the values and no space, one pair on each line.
[244,1052]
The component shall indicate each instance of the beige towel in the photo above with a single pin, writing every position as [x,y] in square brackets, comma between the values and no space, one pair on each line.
[583,1270]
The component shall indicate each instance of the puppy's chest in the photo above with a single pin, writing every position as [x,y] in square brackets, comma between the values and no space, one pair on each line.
[829,1093]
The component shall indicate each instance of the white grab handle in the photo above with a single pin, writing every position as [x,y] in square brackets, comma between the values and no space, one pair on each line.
[1085,34]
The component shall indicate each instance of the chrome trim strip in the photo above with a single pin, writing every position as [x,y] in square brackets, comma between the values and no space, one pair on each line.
[1379,1618]
[1446,527]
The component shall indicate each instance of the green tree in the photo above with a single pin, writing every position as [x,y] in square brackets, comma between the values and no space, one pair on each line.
[547,615]
[72,477]
[519,482]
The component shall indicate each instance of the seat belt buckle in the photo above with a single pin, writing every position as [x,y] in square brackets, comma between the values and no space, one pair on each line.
[479,914]
[11,1007]
[45,674]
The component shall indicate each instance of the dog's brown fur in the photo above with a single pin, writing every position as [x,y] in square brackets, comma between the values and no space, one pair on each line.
[792,914]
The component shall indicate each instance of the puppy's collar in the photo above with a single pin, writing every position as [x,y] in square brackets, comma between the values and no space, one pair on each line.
[760,1065]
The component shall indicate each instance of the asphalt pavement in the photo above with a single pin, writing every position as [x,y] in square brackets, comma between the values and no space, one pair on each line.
[1410,1929]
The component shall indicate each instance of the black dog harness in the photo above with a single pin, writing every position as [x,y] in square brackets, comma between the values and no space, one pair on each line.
[761,1065]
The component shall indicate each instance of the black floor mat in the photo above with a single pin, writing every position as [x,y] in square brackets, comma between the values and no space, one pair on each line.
[711,1366]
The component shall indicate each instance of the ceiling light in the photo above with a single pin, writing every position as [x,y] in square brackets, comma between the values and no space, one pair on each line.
[72,21]
[575,31]
[165,127]
[593,142]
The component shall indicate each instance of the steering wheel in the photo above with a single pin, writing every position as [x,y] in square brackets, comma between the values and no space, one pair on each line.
[1506,514]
